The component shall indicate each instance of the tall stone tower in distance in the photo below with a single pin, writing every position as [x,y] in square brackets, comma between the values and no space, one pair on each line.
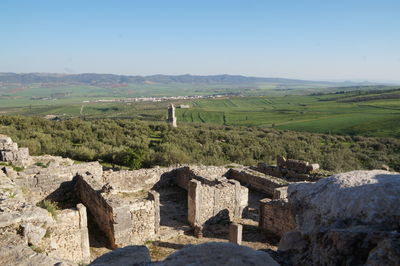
[171,115]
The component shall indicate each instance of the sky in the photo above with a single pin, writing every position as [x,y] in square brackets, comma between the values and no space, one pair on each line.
[304,39]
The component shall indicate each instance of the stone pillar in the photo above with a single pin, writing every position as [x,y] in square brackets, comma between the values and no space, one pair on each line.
[84,233]
[171,115]
[155,196]
[194,202]
[238,209]
[235,233]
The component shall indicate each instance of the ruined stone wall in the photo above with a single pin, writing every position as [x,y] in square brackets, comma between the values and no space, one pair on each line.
[276,217]
[291,170]
[212,203]
[52,181]
[68,238]
[97,206]
[9,152]
[137,221]
[258,181]
[136,180]
[211,197]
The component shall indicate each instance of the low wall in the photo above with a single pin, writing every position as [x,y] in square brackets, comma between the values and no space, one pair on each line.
[137,221]
[97,206]
[68,238]
[212,203]
[137,180]
[256,180]
[276,217]
[52,182]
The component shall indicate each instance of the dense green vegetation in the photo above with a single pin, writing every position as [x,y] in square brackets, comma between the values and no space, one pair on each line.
[135,143]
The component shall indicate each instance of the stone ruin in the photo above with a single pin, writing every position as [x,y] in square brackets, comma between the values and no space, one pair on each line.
[123,206]
[9,152]
[171,118]
[120,208]
[290,169]
[274,212]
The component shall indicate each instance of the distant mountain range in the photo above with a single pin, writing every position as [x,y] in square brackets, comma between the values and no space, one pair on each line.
[96,79]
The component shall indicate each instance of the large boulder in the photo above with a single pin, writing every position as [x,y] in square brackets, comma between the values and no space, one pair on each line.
[213,253]
[354,198]
[129,255]
[216,253]
[344,219]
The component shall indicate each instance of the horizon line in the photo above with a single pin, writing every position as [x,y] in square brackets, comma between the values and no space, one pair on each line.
[388,82]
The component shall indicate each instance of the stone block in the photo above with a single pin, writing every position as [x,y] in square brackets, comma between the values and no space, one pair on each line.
[33,234]
[276,217]
[235,233]
[312,167]
[297,165]
[280,193]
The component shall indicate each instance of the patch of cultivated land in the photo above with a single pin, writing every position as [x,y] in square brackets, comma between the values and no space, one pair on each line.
[375,113]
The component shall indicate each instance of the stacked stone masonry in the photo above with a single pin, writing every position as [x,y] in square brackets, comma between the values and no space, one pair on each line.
[256,180]
[212,198]
[276,217]
[68,238]
[290,170]
[9,152]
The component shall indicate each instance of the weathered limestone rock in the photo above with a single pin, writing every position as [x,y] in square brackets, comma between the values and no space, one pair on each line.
[33,234]
[345,219]
[25,256]
[17,212]
[126,256]
[9,152]
[6,143]
[357,198]
[215,253]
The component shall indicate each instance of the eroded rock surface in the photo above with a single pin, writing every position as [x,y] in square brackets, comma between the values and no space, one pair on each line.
[345,219]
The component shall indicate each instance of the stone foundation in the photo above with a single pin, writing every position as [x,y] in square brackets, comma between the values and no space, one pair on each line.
[276,217]
[136,221]
[125,219]
[68,238]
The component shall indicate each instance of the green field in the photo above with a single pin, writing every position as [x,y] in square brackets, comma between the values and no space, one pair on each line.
[374,113]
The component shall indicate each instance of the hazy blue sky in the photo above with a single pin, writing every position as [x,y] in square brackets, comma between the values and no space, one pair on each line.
[329,40]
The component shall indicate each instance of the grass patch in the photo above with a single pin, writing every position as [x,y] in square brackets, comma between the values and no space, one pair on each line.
[42,164]
[50,206]
[37,249]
